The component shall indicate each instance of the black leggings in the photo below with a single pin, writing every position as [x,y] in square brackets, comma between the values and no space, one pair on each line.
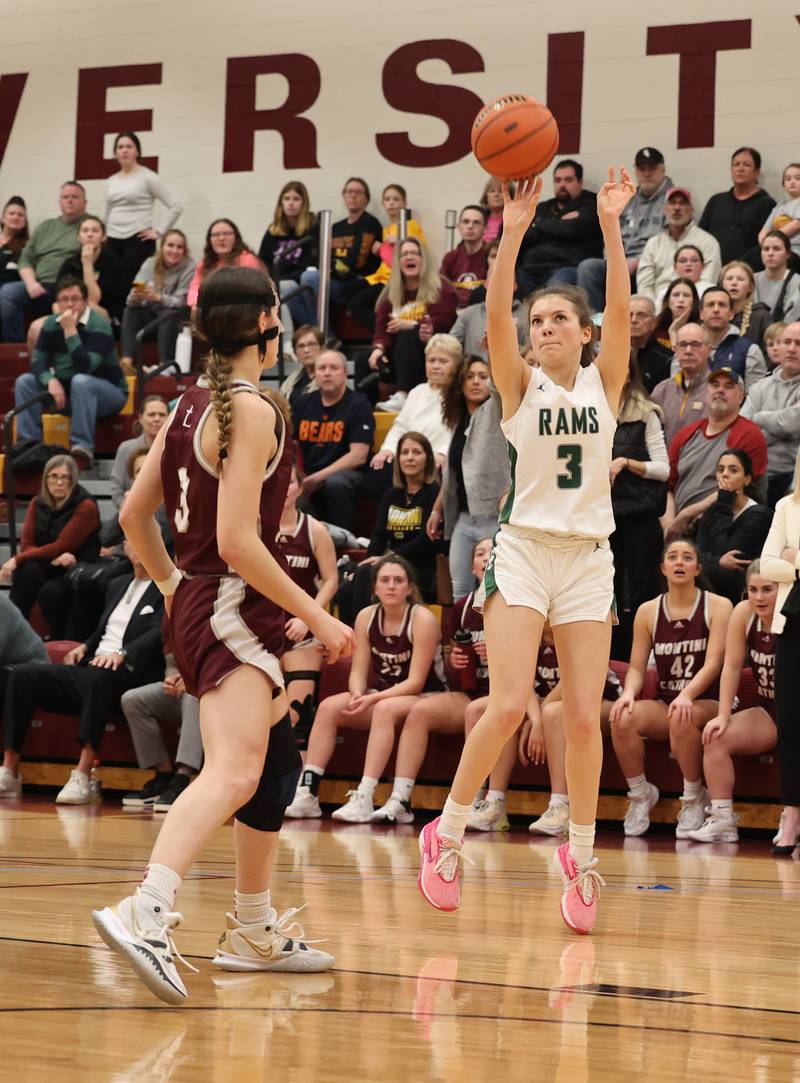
[133,251]
[38,581]
[787,710]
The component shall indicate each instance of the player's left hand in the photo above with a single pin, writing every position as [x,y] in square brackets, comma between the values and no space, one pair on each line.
[617,466]
[615,195]
[682,710]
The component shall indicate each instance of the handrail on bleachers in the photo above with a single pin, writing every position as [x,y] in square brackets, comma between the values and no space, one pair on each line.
[8,480]
[323,296]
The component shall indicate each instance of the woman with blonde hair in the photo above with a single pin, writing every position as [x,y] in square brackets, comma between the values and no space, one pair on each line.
[161,287]
[750,316]
[415,304]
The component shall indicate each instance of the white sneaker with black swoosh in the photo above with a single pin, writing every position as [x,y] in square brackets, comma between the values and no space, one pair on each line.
[278,945]
[142,935]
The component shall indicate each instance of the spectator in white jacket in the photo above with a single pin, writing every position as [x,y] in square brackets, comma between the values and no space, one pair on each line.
[656,266]
[774,404]
[422,410]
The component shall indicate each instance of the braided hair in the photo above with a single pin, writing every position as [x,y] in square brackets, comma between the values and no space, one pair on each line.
[230,302]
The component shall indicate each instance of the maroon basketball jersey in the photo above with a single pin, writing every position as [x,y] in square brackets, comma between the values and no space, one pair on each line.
[547,673]
[390,655]
[470,620]
[761,651]
[191,484]
[298,550]
[680,649]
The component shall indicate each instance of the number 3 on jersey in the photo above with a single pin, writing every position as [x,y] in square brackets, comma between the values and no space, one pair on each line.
[572,455]
[182,511]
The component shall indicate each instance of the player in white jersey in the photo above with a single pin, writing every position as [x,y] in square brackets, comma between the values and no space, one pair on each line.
[551,559]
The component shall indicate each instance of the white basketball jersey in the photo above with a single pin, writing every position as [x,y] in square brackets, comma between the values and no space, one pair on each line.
[559,443]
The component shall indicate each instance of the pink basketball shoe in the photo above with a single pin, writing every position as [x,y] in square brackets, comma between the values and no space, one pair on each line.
[581,886]
[439,877]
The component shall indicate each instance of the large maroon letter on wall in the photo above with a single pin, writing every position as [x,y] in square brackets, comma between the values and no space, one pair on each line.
[95,121]
[698,45]
[565,87]
[243,120]
[11,88]
[456,106]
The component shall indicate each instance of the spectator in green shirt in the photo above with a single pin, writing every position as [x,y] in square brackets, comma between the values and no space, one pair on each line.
[53,241]
[75,360]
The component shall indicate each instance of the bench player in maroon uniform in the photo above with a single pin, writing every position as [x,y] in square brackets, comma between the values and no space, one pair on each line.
[752,731]
[442,713]
[221,466]
[397,658]
[308,550]
[685,628]
[547,742]
[489,813]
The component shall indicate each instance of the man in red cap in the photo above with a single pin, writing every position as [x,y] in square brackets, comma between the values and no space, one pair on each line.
[656,266]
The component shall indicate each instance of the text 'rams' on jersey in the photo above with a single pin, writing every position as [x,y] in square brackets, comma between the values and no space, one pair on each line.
[559,443]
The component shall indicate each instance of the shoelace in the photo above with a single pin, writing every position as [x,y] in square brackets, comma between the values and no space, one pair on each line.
[352,795]
[446,864]
[291,929]
[589,881]
[172,921]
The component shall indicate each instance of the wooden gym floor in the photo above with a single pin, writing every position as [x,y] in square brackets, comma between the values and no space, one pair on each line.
[692,973]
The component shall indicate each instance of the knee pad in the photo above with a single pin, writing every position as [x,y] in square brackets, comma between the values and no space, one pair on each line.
[306,708]
[276,788]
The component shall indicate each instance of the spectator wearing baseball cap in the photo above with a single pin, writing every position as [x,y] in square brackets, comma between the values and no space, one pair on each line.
[736,216]
[641,219]
[695,451]
[656,265]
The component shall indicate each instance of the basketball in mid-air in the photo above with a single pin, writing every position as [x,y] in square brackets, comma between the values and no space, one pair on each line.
[515,137]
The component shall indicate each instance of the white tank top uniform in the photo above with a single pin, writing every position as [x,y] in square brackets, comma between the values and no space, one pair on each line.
[552,553]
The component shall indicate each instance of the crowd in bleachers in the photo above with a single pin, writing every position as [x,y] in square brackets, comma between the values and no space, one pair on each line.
[706,446]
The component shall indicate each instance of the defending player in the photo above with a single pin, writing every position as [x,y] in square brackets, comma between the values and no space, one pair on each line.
[552,558]
[221,466]
[685,628]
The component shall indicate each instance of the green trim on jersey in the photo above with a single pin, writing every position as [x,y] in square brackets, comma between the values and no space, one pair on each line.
[505,514]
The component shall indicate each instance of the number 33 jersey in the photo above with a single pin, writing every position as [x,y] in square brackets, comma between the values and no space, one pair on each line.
[559,443]
[191,485]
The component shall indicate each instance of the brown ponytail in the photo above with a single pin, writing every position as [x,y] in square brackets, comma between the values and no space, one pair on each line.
[230,302]
[218,372]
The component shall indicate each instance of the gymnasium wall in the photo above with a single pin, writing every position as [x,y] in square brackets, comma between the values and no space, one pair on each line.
[232,98]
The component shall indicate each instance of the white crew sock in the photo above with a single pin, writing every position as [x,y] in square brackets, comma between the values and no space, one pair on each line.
[159,887]
[253,908]
[453,822]
[581,842]
[558,799]
[723,807]
[403,787]
[692,790]
[637,786]
[496,795]
[367,786]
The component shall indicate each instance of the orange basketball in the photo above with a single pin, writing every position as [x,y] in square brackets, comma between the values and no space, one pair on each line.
[515,137]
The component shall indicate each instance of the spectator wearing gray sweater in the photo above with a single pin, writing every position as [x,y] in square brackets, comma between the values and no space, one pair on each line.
[152,415]
[18,644]
[130,197]
[774,405]
[160,288]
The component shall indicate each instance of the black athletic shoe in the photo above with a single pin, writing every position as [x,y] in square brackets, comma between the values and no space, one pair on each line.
[176,787]
[150,792]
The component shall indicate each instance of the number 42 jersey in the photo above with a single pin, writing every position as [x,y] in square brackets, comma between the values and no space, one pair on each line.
[559,443]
